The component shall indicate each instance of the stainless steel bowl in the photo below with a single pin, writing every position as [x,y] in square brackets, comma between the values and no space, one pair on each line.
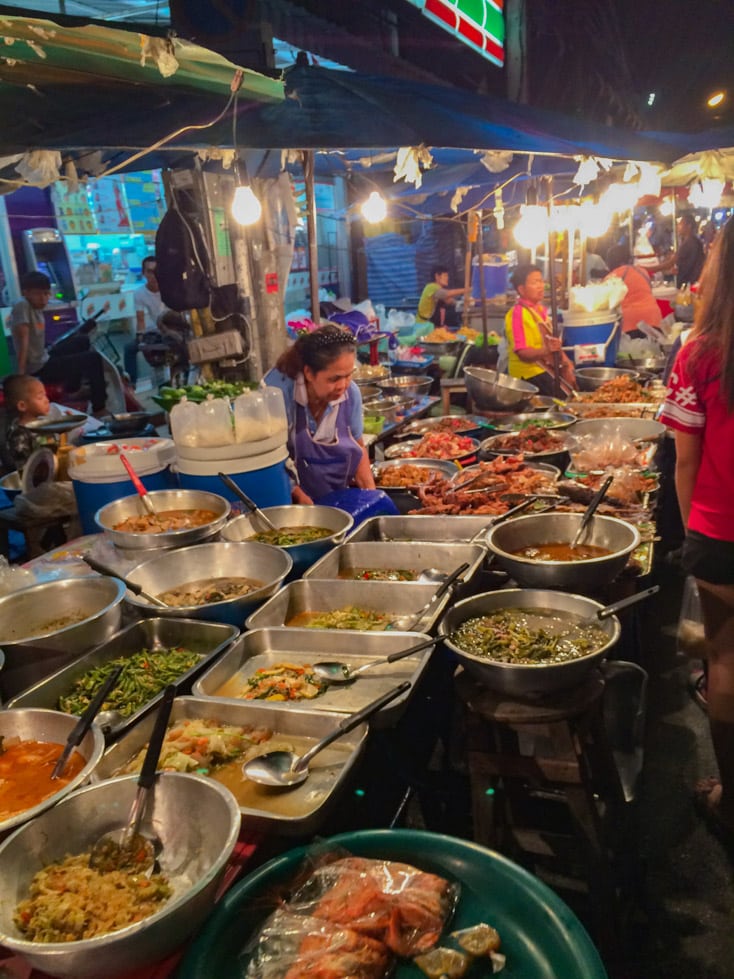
[551,420]
[414,385]
[591,378]
[402,450]
[369,391]
[197,821]
[390,408]
[525,680]
[247,559]
[633,429]
[370,374]
[492,391]
[339,522]
[32,650]
[186,499]
[617,536]
[445,348]
[33,724]
[428,467]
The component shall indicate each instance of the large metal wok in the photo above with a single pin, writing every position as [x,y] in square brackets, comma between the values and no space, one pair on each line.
[523,680]
[109,516]
[617,536]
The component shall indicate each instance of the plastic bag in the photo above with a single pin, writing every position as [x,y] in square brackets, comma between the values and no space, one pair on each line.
[691,637]
[13,578]
[47,500]
[607,449]
[291,945]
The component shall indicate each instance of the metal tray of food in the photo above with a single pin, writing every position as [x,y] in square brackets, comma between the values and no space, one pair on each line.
[427,527]
[299,810]
[264,648]
[389,598]
[428,468]
[552,420]
[208,639]
[584,406]
[347,560]
[402,450]
[458,424]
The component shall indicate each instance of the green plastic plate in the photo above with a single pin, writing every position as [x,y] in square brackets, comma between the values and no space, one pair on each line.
[541,936]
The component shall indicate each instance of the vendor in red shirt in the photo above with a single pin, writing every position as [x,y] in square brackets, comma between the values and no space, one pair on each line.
[639,305]
[700,408]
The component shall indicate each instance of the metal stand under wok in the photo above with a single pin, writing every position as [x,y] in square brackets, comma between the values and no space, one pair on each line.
[553,782]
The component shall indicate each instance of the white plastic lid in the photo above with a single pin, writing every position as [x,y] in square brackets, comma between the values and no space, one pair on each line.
[148,455]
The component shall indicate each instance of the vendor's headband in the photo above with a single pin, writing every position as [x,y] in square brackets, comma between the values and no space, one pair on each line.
[330,339]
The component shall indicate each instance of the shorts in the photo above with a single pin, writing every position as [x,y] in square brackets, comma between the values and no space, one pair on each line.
[708,559]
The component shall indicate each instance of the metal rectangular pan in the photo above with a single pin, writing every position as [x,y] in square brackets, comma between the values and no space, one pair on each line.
[637,409]
[388,597]
[263,648]
[440,529]
[415,556]
[300,810]
[208,639]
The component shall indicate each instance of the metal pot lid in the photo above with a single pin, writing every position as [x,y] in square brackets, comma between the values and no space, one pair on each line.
[40,468]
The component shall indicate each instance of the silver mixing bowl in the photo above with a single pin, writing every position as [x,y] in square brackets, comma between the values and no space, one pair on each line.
[184,499]
[413,385]
[197,821]
[32,650]
[529,680]
[339,522]
[219,559]
[492,391]
[591,378]
[35,724]
[617,536]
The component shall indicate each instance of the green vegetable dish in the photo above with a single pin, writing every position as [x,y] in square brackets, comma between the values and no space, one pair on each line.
[528,636]
[144,675]
[289,536]
[350,617]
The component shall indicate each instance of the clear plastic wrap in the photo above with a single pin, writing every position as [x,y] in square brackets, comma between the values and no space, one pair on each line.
[605,449]
[295,946]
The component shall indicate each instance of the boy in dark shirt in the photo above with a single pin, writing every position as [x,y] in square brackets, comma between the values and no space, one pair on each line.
[25,400]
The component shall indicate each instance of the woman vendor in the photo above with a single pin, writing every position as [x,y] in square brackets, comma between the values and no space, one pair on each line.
[324,408]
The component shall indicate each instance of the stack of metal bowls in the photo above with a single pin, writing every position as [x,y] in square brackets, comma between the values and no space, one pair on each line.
[617,537]
[407,385]
[389,407]
[337,521]
[265,565]
[193,857]
[492,391]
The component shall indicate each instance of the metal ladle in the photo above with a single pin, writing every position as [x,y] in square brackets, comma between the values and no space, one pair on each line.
[285,769]
[127,848]
[334,672]
[133,586]
[250,504]
[406,623]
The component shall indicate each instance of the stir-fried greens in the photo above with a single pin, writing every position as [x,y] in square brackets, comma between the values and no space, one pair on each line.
[143,676]
[288,536]
[284,681]
[350,617]
[380,574]
[528,636]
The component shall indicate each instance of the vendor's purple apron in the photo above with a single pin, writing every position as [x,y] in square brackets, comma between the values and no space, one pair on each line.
[325,466]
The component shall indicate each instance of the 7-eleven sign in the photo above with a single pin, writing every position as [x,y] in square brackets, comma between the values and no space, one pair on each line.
[478,23]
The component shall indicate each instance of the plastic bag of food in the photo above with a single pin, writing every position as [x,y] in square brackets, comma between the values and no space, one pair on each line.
[13,578]
[396,903]
[293,946]
[611,448]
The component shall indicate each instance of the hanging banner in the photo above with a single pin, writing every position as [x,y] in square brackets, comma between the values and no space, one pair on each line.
[73,211]
[110,205]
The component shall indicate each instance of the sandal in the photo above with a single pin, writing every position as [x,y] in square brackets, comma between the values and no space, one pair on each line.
[697,688]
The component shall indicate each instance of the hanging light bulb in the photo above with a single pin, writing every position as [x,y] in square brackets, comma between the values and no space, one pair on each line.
[594,219]
[532,228]
[706,193]
[667,207]
[374,208]
[649,180]
[246,208]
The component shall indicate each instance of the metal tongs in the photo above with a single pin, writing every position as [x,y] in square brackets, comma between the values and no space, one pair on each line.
[85,722]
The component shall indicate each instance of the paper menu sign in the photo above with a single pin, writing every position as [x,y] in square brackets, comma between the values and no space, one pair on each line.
[74,215]
[110,205]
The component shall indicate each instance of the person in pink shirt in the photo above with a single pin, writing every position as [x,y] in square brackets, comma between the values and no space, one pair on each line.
[700,409]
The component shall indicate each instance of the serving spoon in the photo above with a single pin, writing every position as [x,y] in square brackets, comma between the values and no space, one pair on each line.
[623,603]
[127,848]
[406,623]
[138,484]
[285,769]
[85,722]
[591,510]
[135,588]
[336,673]
[250,504]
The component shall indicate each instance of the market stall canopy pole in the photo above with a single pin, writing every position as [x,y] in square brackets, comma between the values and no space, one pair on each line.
[557,392]
[313,248]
